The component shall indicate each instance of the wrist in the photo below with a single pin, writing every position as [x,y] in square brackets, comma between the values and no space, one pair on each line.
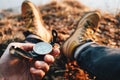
[1,76]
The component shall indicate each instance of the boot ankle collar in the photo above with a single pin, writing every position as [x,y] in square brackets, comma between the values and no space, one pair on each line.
[80,48]
[33,39]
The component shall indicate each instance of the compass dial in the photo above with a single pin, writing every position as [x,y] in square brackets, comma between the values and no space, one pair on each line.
[42,48]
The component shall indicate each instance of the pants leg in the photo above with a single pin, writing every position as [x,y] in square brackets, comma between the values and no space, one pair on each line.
[100,61]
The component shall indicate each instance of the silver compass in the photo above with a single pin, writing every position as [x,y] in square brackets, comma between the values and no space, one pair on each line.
[42,48]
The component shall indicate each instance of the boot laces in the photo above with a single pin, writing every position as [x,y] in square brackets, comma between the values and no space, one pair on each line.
[84,35]
[28,18]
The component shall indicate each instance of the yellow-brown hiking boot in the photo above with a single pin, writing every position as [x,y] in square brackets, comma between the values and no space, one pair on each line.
[33,21]
[86,27]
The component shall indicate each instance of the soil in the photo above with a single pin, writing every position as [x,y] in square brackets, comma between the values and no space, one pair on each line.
[62,17]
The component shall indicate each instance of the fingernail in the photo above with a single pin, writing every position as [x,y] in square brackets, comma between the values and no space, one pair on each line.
[56,52]
[32,69]
[49,58]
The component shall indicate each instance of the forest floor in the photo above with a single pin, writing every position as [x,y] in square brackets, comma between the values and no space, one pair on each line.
[62,17]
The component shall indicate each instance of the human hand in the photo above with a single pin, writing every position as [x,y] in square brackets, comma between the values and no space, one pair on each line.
[13,68]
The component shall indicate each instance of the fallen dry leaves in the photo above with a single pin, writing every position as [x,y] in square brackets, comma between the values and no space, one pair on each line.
[62,17]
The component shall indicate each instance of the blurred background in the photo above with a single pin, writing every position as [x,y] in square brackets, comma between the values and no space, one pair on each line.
[111,6]
[64,20]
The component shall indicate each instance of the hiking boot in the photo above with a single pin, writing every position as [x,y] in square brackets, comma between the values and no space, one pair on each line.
[86,27]
[33,21]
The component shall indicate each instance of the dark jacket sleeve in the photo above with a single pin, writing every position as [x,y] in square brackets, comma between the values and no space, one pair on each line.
[100,61]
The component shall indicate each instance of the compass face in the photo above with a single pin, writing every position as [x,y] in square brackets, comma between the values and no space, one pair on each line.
[42,48]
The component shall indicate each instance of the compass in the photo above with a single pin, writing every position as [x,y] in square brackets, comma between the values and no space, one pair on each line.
[42,48]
